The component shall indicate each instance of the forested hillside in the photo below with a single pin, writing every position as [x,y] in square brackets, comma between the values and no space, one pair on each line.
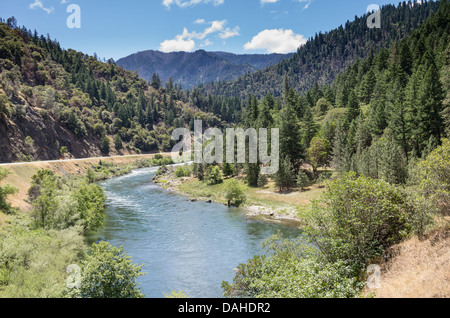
[364,120]
[56,102]
[192,69]
[325,55]
[382,127]
[378,116]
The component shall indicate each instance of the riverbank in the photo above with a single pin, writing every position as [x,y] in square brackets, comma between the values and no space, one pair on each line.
[266,204]
[413,268]
[21,174]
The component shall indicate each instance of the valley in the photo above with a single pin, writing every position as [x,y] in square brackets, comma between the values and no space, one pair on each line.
[360,122]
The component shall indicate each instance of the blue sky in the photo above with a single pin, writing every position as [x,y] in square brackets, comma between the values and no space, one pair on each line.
[119,28]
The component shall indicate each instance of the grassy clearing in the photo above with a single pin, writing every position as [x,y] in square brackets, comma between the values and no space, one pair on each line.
[269,199]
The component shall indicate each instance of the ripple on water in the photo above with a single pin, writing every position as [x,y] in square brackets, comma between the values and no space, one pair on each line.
[185,246]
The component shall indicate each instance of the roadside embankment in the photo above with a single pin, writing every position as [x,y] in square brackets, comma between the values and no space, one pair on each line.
[21,173]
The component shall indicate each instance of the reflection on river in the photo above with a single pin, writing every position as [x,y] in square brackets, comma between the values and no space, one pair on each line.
[188,246]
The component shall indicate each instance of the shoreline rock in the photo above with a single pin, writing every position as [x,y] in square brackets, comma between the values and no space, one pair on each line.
[169,182]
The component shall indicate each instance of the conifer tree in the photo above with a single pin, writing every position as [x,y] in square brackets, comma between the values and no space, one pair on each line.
[285,177]
[353,109]
[341,154]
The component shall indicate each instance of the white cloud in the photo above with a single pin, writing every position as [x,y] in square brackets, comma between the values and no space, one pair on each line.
[229,33]
[308,2]
[182,42]
[268,1]
[276,41]
[216,26]
[186,41]
[207,42]
[188,3]
[38,4]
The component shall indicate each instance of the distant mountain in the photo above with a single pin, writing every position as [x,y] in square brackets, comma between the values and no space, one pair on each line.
[326,55]
[192,69]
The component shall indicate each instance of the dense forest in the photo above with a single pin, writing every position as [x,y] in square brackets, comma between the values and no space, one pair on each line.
[378,116]
[80,106]
[326,55]
[372,105]
[382,126]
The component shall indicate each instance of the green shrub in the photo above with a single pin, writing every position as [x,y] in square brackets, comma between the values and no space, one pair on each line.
[432,177]
[5,190]
[181,172]
[214,175]
[292,270]
[358,218]
[33,263]
[5,105]
[71,120]
[234,193]
[60,203]
[108,272]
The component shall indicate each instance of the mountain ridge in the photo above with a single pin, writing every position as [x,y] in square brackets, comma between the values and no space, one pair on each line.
[326,55]
[191,69]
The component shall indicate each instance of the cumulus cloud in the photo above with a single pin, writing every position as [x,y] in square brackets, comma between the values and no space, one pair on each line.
[276,41]
[186,41]
[207,42]
[199,21]
[182,42]
[189,3]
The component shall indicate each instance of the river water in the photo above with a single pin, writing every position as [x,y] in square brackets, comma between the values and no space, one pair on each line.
[188,246]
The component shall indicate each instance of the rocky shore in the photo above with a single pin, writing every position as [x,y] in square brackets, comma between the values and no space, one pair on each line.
[167,180]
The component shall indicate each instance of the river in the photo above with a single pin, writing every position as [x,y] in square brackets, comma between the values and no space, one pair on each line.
[188,246]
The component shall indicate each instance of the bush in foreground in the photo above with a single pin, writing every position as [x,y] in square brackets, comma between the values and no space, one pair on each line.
[108,272]
[358,218]
[292,270]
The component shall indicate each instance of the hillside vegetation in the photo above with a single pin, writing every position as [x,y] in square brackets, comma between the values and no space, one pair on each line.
[55,102]
[327,54]
[368,123]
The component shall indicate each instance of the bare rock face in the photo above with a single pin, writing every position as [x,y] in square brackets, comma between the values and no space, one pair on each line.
[45,138]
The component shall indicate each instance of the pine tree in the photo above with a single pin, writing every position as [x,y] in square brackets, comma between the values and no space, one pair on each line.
[253,173]
[367,87]
[446,87]
[341,156]
[353,109]
[118,142]
[308,129]
[290,135]
[105,145]
[285,177]
[431,98]
[228,169]
[302,179]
